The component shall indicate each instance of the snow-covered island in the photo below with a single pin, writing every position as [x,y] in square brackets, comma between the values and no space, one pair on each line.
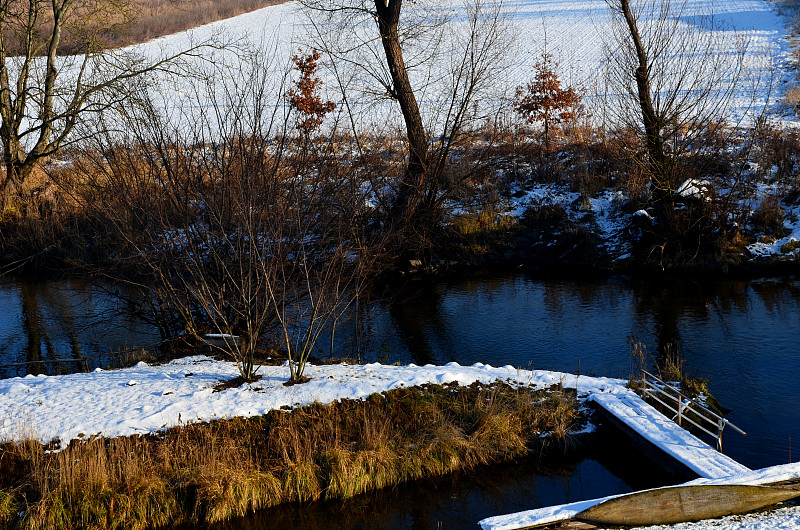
[146,399]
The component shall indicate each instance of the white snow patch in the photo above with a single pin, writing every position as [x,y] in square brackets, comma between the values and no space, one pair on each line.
[780,519]
[695,188]
[148,398]
[767,248]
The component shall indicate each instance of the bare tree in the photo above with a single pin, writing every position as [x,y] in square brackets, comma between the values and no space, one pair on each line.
[676,76]
[43,95]
[398,51]
[237,230]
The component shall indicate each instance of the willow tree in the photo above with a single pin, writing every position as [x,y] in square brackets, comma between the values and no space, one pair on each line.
[44,95]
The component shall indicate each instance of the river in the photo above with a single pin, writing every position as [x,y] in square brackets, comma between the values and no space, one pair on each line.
[740,335]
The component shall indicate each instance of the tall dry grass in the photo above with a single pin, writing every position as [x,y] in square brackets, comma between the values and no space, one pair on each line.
[203,473]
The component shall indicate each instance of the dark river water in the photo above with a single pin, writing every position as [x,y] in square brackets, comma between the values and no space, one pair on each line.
[740,335]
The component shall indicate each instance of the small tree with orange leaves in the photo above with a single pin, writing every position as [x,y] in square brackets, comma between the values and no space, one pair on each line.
[305,98]
[545,100]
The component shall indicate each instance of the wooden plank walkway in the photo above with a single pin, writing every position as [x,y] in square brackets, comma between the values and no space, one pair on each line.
[633,414]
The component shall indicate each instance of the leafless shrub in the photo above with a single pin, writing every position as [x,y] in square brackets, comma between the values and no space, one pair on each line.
[778,153]
[239,230]
[639,357]
[791,98]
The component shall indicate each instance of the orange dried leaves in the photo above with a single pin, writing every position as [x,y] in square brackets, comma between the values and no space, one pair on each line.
[545,100]
[305,97]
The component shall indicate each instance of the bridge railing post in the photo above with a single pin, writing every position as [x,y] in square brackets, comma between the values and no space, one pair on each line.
[702,418]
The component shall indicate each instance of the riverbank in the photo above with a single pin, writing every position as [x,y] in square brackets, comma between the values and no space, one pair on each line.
[554,228]
[137,447]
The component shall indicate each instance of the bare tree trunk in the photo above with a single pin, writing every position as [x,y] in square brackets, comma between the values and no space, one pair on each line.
[8,185]
[14,162]
[412,183]
[660,186]
[16,173]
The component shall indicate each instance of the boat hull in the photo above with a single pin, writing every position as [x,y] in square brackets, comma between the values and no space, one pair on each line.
[684,503]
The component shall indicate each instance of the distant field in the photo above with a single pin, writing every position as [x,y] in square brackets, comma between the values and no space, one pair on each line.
[574,33]
[138,21]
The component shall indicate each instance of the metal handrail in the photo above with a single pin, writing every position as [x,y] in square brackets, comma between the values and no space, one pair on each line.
[684,403]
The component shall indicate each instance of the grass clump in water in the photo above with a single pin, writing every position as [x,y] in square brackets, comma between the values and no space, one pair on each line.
[204,473]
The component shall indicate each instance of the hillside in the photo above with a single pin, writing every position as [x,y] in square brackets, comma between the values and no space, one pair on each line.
[577,35]
[137,21]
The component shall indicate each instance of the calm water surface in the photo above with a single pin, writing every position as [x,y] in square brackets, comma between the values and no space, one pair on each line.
[741,336]
[66,319]
[744,337]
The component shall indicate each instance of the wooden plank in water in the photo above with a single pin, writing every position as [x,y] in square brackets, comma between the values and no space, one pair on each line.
[683,503]
[560,517]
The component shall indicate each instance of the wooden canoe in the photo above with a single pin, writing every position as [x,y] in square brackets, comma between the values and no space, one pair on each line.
[683,503]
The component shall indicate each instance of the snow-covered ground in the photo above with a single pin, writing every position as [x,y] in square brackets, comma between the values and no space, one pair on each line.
[788,245]
[603,213]
[148,398]
[780,519]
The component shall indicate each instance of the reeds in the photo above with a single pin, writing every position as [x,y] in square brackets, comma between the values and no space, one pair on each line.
[202,473]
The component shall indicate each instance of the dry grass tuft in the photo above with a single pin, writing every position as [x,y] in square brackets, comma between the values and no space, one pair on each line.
[8,508]
[210,472]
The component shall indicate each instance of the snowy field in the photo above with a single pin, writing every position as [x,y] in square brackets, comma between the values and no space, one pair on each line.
[577,34]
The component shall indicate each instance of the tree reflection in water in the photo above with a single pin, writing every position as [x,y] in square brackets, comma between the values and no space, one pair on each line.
[46,323]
